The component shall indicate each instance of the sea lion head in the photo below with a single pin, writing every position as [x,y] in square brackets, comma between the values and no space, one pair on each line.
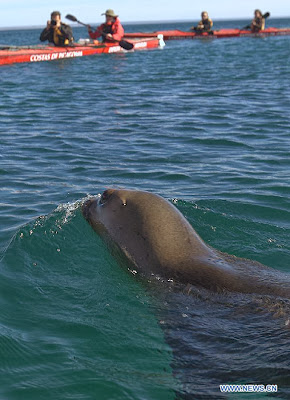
[148,228]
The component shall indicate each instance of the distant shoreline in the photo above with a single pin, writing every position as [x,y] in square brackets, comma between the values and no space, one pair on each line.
[12,28]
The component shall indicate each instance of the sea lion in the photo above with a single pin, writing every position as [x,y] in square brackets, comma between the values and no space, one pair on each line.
[157,238]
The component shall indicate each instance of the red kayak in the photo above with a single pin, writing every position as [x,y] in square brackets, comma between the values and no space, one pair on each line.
[222,33]
[19,54]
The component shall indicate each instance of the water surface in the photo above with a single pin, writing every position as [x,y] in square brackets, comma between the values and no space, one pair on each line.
[204,124]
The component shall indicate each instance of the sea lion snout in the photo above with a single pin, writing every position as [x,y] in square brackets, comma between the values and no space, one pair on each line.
[89,206]
[86,208]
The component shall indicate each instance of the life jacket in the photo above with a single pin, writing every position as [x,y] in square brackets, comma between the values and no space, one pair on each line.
[260,24]
[107,28]
[207,25]
[58,38]
[116,30]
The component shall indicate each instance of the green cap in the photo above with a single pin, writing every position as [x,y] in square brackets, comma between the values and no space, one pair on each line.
[110,13]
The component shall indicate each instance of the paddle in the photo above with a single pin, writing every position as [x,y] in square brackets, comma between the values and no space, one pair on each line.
[266,15]
[123,43]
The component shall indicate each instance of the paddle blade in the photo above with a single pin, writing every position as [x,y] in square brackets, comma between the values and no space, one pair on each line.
[126,45]
[71,18]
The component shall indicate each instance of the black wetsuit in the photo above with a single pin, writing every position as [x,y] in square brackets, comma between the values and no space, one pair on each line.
[106,29]
[259,25]
[62,37]
[207,25]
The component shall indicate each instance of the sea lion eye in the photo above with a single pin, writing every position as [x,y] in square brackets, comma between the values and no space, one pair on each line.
[105,196]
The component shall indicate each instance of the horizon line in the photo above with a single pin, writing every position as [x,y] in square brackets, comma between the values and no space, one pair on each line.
[138,22]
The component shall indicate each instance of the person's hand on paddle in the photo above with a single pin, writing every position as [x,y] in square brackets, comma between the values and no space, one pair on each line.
[89,28]
[109,36]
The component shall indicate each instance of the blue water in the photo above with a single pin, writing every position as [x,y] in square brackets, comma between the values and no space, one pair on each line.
[204,124]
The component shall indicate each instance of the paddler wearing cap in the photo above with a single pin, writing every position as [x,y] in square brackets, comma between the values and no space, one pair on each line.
[111,30]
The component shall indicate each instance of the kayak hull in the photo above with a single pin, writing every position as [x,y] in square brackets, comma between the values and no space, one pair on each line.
[20,54]
[222,33]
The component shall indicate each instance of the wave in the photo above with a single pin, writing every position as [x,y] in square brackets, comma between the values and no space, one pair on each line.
[71,315]
[69,312]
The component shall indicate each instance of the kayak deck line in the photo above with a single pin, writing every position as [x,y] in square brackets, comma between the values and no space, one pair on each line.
[221,33]
[10,54]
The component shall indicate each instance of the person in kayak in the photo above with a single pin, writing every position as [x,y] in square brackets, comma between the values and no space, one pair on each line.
[258,23]
[112,30]
[204,25]
[57,32]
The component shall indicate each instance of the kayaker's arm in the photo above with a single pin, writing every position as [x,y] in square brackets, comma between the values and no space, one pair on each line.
[98,32]
[45,34]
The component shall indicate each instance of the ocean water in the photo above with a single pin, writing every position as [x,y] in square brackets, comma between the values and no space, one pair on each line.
[206,125]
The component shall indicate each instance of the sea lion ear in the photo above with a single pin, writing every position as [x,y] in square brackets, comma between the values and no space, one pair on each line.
[106,195]
[123,199]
